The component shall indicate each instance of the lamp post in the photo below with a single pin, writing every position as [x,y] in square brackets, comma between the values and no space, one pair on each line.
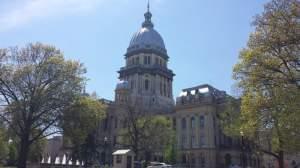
[105,144]
[243,150]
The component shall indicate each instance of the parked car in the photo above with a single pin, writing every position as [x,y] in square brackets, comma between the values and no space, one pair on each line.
[158,165]
[138,164]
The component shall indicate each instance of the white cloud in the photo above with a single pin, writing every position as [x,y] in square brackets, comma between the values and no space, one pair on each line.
[23,12]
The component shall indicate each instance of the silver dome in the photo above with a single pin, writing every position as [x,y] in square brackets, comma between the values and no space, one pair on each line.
[122,85]
[147,38]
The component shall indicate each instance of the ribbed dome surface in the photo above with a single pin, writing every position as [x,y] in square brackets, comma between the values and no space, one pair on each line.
[122,85]
[147,38]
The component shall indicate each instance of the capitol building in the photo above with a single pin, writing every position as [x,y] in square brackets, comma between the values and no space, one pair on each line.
[146,82]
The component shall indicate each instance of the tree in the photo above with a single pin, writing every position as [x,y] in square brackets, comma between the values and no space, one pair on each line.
[80,123]
[3,144]
[36,85]
[141,133]
[170,152]
[268,72]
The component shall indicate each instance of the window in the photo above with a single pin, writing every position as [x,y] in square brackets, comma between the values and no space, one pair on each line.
[119,158]
[137,60]
[149,60]
[115,141]
[160,88]
[174,123]
[183,123]
[201,121]
[146,84]
[105,124]
[183,158]
[145,60]
[193,160]
[202,160]
[201,140]
[165,90]
[156,61]
[193,139]
[193,122]
[116,122]
[131,84]
[125,123]
[183,141]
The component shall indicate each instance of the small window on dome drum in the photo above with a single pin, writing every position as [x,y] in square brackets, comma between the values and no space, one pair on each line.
[145,60]
[149,60]
[146,84]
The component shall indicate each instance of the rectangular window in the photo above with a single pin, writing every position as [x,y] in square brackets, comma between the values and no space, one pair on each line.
[115,140]
[194,145]
[174,123]
[119,158]
[201,140]
[201,121]
[116,122]
[183,141]
[202,160]
[149,60]
[145,60]
[193,123]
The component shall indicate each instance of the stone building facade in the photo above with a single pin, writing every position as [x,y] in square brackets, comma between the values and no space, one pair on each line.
[200,139]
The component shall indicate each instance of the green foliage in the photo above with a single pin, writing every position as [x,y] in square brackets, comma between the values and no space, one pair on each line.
[12,155]
[268,72]
[170,152]
[36,150]
[3,145]
[148,134]
[80,122]
[36,85]
[230,117]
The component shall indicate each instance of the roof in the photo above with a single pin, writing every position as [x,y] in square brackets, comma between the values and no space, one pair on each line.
[121,152]
[147,38]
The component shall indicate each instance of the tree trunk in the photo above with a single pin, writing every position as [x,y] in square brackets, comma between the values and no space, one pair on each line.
[281,160]
[23,151]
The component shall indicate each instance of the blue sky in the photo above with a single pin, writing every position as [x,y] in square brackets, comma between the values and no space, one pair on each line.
[203,37]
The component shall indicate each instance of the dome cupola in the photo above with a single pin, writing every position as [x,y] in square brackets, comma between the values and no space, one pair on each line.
[147,39]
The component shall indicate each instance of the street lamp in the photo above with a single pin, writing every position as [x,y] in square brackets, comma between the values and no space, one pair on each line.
[105,144]
[243,150]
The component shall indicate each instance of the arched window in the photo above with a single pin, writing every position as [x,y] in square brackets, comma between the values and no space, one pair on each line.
[183,123]
[201,121]
[146,84]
